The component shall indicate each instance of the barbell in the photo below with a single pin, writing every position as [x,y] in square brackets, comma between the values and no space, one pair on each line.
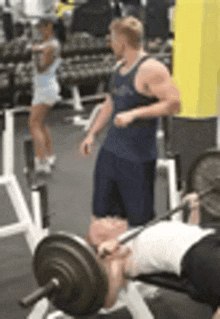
[68,274]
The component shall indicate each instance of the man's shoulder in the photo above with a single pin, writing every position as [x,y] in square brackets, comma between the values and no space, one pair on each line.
[153,70]
[152,64]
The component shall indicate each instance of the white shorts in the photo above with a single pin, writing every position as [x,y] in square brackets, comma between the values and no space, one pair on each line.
[46,95]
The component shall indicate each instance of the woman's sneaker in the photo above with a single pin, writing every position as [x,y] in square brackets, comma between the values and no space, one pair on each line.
[52,160]
[42,166]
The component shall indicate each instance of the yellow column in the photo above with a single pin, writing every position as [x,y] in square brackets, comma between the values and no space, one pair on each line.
[218,74]
[197,55]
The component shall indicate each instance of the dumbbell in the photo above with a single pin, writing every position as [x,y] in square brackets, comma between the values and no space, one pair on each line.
[4,81]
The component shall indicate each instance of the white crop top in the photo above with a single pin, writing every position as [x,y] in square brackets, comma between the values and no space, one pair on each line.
[49,75]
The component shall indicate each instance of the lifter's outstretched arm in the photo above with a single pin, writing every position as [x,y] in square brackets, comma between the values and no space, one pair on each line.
[114,266]
[115,281]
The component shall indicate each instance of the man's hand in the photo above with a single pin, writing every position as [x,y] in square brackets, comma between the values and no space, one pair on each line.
[194,203]
[123,119]
[113,250]
[88,142]
[193,200]
[108,247]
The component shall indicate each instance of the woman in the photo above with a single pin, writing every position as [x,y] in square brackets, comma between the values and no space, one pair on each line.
[46,57]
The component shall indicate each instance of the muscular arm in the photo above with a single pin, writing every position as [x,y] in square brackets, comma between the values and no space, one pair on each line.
[156,80]
[102,118]
[115,268]
[115,273]
[47,59]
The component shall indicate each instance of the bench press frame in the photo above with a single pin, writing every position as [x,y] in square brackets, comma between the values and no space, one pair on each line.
[31,227]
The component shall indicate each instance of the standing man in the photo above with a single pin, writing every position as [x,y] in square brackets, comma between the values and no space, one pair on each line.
[141,90]
[46,57]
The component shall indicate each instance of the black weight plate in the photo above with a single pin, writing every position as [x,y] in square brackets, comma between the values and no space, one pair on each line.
[201,176]
[102,287]
[76,260]
[101,282]
[59,257]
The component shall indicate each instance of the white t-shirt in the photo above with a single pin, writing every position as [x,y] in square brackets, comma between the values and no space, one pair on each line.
[161,247]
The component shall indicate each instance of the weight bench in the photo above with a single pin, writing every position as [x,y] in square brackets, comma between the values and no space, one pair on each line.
[166,280]
[135,302]
[140,309]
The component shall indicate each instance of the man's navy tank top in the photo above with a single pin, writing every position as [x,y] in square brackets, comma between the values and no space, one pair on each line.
[137,142]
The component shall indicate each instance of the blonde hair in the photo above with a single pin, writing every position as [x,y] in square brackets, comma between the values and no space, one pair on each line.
[131,28]
[105,229]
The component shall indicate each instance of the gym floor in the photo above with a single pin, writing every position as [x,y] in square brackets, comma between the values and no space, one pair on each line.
[70,195]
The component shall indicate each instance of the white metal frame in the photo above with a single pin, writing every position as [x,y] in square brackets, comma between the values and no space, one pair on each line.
[173,193]
[135,302]
[77,101]
[32,228]
[33,232]
[169,164]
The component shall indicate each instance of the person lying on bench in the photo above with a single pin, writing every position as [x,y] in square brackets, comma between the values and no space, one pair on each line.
[186,250]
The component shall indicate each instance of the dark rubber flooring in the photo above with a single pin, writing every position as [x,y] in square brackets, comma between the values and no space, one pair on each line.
[70,194]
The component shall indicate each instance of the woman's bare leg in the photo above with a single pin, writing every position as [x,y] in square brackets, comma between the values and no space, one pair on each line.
[49,143]
[37,116]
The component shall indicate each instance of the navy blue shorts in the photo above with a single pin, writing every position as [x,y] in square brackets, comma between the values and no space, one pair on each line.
[123,188]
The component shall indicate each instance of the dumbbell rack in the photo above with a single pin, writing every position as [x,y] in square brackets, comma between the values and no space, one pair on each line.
[76,102]
[31,228]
